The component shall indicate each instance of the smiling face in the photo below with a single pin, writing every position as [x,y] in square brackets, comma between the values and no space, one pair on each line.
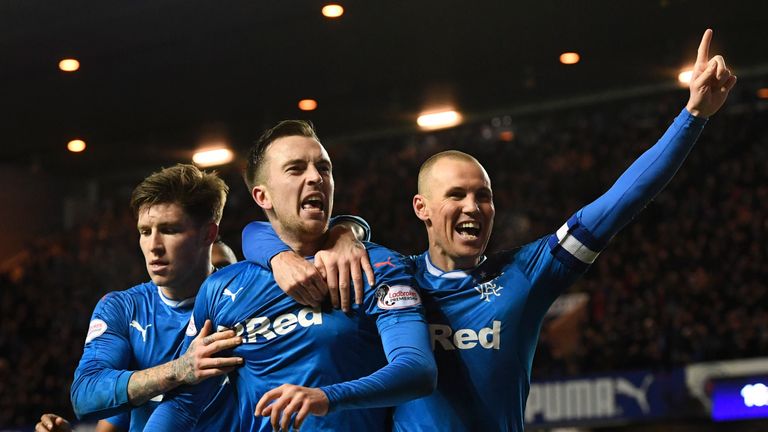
[176,249]
[456,204]
[297,190]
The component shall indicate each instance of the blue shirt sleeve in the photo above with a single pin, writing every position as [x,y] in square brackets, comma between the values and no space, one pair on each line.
[411,372]
[121,421]
[362,223]
[181,408]
[584,235]
[100,386]
[261,243]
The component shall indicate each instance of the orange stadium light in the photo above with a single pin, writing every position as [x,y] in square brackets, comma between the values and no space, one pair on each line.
[763,93]
[76,146]
[307,104]
[569,58]
[685,76]
[439,120]
[69,65]
[507,136]
[333,11]
[213,157]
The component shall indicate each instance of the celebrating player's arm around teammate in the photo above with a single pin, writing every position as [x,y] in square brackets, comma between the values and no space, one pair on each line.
[343,258]
[485,313]
[134,335]
[376,355]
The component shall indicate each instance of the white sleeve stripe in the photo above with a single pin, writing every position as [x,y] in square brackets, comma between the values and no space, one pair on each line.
[574,247]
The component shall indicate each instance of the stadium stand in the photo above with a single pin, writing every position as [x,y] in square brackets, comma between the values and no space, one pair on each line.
[684,283]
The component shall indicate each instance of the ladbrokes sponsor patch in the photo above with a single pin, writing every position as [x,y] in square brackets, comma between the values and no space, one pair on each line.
[95,329]
[397,297]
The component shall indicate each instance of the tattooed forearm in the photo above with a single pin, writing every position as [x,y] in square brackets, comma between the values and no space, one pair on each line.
[148,383]
[192,367]
[183,370]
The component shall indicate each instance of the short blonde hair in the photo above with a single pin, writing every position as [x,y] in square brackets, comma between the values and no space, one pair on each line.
[426,167]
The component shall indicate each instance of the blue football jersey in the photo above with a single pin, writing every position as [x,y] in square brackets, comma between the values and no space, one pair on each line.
[133,330]
[484,325]
[285,342]
[121,421]
[485,322]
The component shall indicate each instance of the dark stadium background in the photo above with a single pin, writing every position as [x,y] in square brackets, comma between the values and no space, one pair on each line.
[683,284]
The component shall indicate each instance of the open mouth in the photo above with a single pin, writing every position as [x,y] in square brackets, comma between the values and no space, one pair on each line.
[468,230]
[313,203]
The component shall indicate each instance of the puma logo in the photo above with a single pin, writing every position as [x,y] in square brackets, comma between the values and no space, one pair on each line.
[232,295]
[135,324]
[384,263]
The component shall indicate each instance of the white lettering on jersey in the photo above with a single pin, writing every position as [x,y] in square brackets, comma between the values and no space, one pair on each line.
[158,398]
[397,297]
[283,324]
[135,324]
[191,328]
[95,329]
[487,337]
[232,295]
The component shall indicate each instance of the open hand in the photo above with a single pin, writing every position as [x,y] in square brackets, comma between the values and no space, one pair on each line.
[343,257]
[199,363]
[290,399]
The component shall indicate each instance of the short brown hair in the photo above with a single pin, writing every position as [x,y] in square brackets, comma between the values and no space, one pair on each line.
[256,155]
[200,194]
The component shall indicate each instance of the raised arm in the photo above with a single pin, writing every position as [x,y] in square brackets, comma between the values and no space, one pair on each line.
[592,227]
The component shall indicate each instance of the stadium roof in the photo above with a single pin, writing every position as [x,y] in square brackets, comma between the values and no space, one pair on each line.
[158,77]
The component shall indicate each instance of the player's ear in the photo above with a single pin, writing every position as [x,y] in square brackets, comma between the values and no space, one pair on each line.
[261,195]
[420,207]
[211,231]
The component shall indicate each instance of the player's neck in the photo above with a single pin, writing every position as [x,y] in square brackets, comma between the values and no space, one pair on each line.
[303,243]
[188,287]
[445,262]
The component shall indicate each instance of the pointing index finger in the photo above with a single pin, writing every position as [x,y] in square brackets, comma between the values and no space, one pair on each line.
[702,56]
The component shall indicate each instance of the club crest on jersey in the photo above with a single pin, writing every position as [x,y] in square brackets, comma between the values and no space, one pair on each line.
[95,329]
[191,329]
[397,297]
[488,289]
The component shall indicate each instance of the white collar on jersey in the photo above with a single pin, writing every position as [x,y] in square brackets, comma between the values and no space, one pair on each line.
[454,274]
[175,303]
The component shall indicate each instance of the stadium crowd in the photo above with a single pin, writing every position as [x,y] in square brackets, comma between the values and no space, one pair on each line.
[683,283]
